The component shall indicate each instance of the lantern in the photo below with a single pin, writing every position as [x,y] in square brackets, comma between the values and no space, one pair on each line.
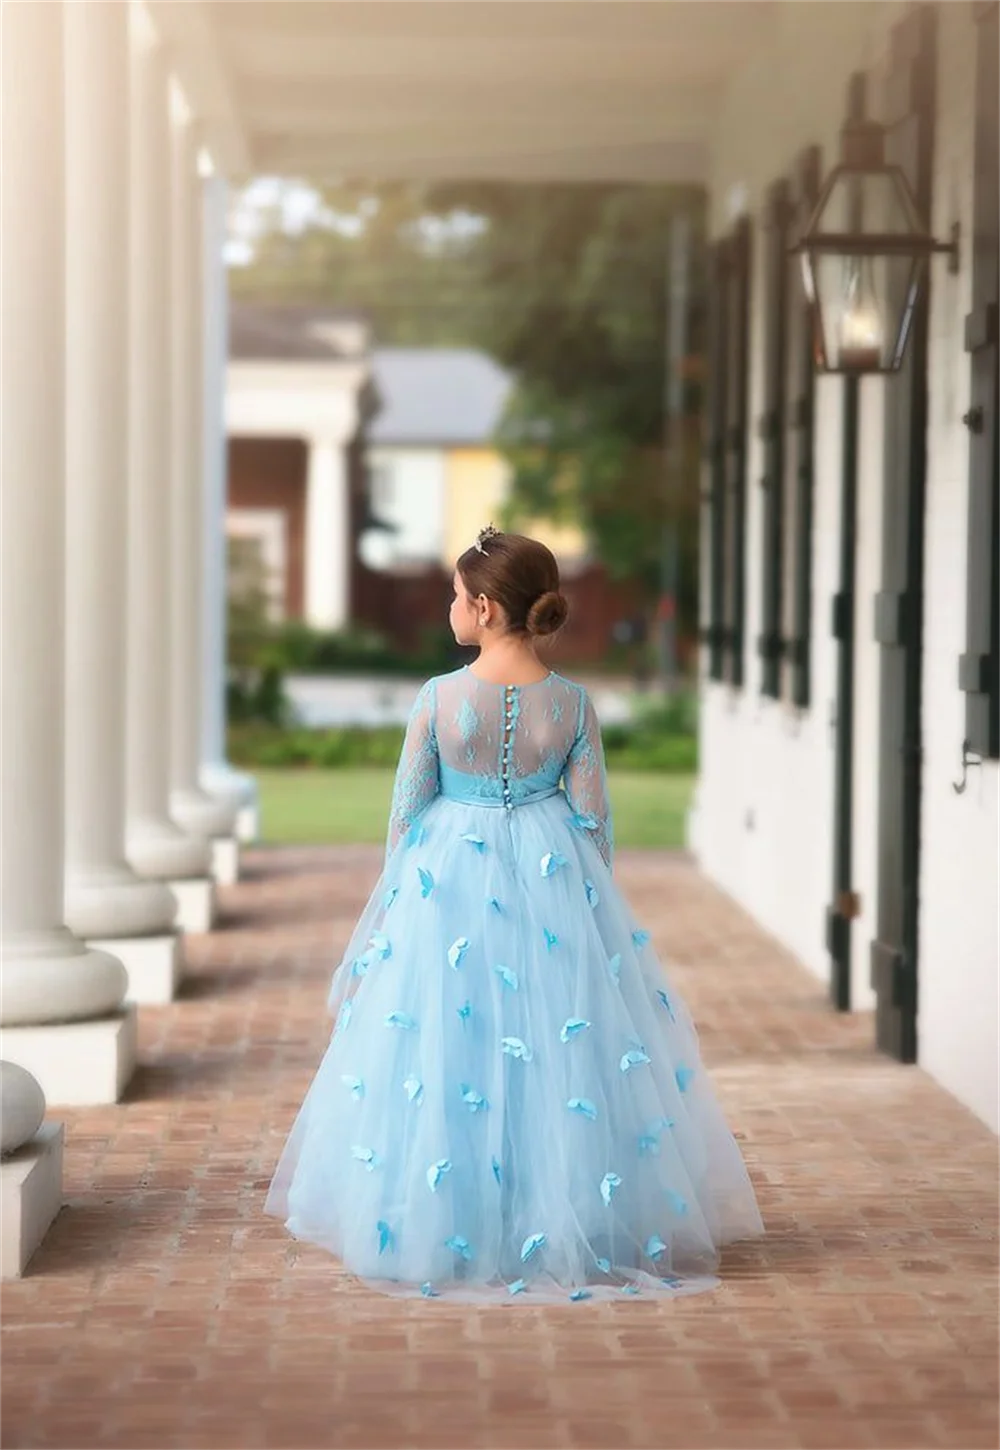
[864,253]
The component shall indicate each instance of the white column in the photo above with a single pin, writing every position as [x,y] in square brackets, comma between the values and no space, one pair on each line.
[217,775]
[31,1172]
[155,846]
[327,535]
[48,975]
[190,806]
[104,897]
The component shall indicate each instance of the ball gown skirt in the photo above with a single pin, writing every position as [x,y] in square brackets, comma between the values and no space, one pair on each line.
[512,1104]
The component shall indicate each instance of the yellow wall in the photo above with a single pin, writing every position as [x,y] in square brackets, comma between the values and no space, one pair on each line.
[476,487]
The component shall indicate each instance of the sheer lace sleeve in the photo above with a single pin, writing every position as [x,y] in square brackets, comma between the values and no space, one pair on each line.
[586,781]
[417,775]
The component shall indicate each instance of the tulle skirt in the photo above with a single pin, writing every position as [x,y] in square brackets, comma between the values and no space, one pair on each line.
[512,1103]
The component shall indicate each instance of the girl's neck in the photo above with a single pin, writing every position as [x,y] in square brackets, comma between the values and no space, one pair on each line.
[508,660]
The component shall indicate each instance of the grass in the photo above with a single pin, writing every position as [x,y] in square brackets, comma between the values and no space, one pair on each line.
[344,807]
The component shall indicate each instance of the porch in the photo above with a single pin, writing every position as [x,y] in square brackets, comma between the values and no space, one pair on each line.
[163,1309]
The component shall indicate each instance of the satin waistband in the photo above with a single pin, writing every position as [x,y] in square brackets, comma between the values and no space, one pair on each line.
[529,800]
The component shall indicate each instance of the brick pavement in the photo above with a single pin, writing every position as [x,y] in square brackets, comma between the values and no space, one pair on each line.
[163,1310]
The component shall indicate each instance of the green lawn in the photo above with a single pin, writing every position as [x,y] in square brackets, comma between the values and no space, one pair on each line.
[339,807]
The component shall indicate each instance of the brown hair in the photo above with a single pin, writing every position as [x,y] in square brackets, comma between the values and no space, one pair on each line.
[522,576]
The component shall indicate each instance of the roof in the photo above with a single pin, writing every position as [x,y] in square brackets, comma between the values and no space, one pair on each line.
[437,395]
[294,332]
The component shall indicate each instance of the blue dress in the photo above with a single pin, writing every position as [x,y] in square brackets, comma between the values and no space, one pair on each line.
[512,1102]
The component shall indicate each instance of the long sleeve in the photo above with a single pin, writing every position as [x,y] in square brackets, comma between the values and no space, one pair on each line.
[586,781]
[417,775]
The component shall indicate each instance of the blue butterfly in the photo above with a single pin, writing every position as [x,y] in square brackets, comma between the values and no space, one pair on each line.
[579,1294]
[683,1075]
[531,1246]
[609,1183]
[457,951]
[508,977]
[551,940]
[514,1047]
[344,1017]
[475,1102]
[429,1292]
[572,1027]
[390,897]
[497,1172]
[426,882]
[678,1204]
[604,1265]
[496,905]
[385,1238]
[414,1090]
[436,1172]
[459,1246]
[635,1057]
[640,938]
[465,1011]
[367,1156]
[355,1084]
[655,1247]
[381,946]
[476,841]
[401,1019]
[517,1287]
[551,862]
[615,967]
[584,1107]
[667,1004]
[593,896]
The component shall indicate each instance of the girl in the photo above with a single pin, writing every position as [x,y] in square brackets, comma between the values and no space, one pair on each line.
[512,1102]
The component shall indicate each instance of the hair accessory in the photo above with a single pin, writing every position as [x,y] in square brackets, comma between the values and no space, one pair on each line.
[484,536]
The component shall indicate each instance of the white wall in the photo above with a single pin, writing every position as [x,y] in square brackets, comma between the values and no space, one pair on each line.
[762,826]
[960,903]
[408,491]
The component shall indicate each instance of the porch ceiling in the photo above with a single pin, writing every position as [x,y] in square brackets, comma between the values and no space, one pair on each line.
[523,90]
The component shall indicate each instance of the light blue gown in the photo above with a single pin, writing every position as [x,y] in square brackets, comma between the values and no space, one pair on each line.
[512,1102]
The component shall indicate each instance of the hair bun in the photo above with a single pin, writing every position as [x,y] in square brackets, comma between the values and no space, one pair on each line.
[547,614]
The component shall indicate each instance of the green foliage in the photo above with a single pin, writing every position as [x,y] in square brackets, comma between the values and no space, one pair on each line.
[254,683]
[295,648]
[662,739]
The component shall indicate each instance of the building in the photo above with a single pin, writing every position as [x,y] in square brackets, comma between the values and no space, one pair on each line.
[328,433]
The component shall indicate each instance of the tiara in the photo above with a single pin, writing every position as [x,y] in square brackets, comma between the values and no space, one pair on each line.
[484,536]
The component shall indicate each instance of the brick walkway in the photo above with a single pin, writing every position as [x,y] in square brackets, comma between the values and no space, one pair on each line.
[164,1311]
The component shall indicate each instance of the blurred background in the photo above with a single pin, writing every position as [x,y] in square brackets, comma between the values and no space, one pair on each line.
[514,354]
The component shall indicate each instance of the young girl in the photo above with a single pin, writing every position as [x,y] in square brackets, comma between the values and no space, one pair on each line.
[512,1102]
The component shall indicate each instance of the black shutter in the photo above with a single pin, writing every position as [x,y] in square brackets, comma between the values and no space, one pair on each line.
[715,499]
[771,425]
[799,454]
[737,340]
[909,109]
[979,667]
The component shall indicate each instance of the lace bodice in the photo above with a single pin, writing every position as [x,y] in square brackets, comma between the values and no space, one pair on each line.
[502,745]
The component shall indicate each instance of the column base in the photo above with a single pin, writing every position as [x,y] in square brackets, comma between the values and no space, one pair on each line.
[118,904]
[195,904]
[226,860]
[159,850]
[237,790]
[50,975]
[248,824]
[76,1064]
[201,814]
[155,966]
[30,1197]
